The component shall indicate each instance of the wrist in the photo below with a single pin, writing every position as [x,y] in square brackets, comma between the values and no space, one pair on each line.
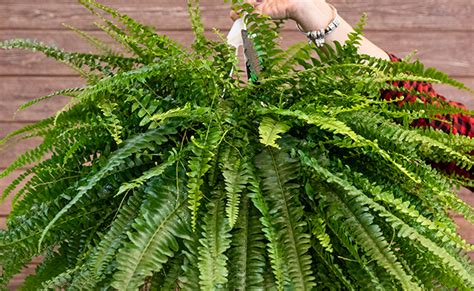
[314,15]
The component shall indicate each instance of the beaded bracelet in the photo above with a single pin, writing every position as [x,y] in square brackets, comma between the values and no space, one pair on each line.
[317,36]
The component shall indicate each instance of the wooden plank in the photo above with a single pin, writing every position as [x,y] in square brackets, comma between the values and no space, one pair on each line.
[443,15]
[14,93]
[17,280]
[457,95]
[465,229]
[467,196]
[9,152]
[454,56]
[20,62]
[5,206]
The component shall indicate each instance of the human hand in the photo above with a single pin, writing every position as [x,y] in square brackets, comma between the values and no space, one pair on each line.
[308,13]
[313,15]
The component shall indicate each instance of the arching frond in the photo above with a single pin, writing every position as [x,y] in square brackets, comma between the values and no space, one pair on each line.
[203,150]
[235,179]
[168,172]
[359,220]
[214,243]
[278,172]
[270,131]
[131,146]
[246,256]
[153,239]
[98,264]
[274,245]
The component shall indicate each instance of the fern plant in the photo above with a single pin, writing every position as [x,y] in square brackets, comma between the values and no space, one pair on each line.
[165,172]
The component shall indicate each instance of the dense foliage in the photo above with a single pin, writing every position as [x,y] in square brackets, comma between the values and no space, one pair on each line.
[166,172]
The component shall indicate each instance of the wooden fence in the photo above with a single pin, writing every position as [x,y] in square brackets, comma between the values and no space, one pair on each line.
[439,29]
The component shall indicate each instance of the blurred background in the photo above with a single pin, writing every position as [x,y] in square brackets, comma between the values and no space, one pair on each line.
[440,30]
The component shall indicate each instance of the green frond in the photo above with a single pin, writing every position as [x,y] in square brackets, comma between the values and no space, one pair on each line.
[389,134]
[40,125]
[168,171]
[189,279]
[319,231]
[77,61]
[115,33]
[355,37]
[270,131]
[415,69]
[185,111]
[98,264]
[247,252]
[113,123]
[338,127]
[460,143]
[196,23]
[458,205]
[15,183]
[330,124]
[215,242]
[274,245]
[462,181]
[405,231]
[156,171]
[436,238]
[293,55]
[327,263]
[278,173]
[60,281]
[26,158]
[385,196]
[94,41]
[432,111]
[53,264]
[436,192]
[130,147]
[153,239]
[66,92]
[144,105]
[139,39]
[235,174]
[360,221]
[265,40]
[172,275]
[203,151]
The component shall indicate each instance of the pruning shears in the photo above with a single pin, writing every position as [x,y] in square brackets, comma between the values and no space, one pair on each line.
[239,36]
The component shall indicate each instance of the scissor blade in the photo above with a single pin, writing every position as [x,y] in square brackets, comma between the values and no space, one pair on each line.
[252,61]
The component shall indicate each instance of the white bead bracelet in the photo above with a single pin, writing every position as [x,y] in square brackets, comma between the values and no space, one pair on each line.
[317,36]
